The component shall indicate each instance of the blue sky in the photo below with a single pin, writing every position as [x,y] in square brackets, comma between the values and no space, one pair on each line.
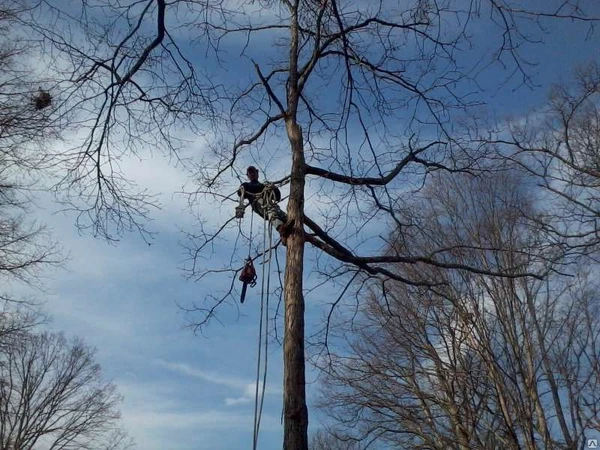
[183,391]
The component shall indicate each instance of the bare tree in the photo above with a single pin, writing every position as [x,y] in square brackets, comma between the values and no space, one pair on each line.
[384,126]
[53,395]
[26,121]
[475,362]
[560,144]
[324,439]
[26,108]
[25,246]
[16,320]
[358,98]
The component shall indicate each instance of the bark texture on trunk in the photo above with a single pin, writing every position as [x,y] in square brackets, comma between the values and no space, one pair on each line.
[294,392]
[295,426]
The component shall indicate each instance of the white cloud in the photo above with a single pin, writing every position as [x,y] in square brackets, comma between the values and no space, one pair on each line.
[211,419]
[164,414]
[237,401]
[245,388]
[211,377]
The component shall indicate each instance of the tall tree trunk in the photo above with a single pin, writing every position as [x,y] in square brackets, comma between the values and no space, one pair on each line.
[295,426]
[294,394]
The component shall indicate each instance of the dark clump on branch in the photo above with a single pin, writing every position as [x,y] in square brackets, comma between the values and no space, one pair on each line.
[42,99]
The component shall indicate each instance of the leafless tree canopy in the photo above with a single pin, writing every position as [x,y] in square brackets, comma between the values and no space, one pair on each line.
[26,109]
[396,79]
[133,74]
[356,102]
[325,439]
[559,145]
[477,362]
[53,395]
[24,128]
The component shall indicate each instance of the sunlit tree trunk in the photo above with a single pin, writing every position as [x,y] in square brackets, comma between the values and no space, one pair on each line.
[294,397]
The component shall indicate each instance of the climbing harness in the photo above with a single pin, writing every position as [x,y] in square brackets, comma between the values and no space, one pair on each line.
[269,203]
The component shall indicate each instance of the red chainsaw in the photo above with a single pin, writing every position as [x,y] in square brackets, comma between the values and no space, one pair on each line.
[248,277]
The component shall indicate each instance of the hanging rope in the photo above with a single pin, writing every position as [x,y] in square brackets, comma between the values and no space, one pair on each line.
[263,329]
[265,320]
[240,208]
[250,237]
[248,274]
[267,201]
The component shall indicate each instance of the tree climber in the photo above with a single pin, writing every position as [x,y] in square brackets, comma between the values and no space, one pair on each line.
[263,198]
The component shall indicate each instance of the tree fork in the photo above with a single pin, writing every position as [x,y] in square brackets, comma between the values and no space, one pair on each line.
[295,435]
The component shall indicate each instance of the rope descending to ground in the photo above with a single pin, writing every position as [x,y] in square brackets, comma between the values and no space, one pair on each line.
[268,199]
[262,360]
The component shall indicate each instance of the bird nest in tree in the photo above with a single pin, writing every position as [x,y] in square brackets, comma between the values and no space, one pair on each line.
[42,100]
